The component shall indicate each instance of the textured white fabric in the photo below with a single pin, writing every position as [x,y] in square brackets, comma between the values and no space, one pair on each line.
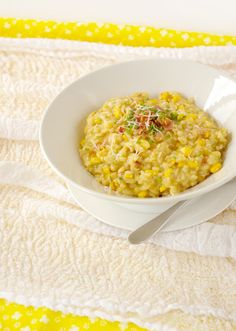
[87,267]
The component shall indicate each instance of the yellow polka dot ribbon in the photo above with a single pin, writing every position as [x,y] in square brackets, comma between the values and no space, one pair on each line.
[129,35]
[20,318]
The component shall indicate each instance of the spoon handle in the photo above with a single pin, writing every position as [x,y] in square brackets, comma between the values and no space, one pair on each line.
[156,224]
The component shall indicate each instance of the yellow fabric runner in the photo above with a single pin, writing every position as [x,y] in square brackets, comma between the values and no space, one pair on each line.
[108,33]
[18,317]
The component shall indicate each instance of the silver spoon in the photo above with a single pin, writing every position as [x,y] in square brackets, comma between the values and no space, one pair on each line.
[220,198]
[155,225]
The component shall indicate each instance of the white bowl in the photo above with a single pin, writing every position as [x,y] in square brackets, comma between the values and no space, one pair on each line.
[63,123]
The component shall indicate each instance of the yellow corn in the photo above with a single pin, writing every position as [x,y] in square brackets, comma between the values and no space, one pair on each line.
[186,150]
[82,142]
[201,142]
[128,175]
[192,164]
[207,134]
[112,185]
[117,112]
[181,164]
[97,120]
[153,101]
[176,98]
[106,170]
[144,143]
[216,167]
[95,160]
[168,172]
[124,137]
[142,194]
[191,117]
[180,117]
[162,188]
[165,96]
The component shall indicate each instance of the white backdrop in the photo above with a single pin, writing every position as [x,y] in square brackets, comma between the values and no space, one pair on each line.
[217,16]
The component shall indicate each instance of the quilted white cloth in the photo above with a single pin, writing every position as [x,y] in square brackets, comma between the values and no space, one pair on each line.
[52,253]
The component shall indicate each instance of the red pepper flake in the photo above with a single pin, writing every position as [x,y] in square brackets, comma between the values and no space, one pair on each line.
[121,129]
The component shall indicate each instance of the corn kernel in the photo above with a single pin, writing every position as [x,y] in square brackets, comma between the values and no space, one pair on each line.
[168,172]
[149,171]
[144,143]
[112,185]
[191,117]
[117,112]
[165,96]
[124,137]
[95,160]
[207,134]
[142,194]
[106,170]
[82,142]
[187,150]
[180,117]
[216,167]
[153,101]
[181,164]
[192,164]
[97,120]
[128,175]
[201,142]
[176,98]
[162,188]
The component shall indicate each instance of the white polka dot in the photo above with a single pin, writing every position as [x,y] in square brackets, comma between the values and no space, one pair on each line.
[173,43]
[19,35]
[5,317]
[14,21]
[110,35]
[121,27]
[67,31]
[74,328]
[47,29]
[142,29]
[27,328]
[171,35]
[128,28]
[89,33]
[27,26]
[163,33]
[185,36]
[7,25]
[96,30]
[152,40]
[33,321]
[44,319]
[16,315]
[207,40]
[130,37]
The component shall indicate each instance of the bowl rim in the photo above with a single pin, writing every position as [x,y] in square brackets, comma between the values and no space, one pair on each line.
[185,195]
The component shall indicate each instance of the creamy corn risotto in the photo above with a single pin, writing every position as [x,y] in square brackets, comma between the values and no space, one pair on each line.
[145,147]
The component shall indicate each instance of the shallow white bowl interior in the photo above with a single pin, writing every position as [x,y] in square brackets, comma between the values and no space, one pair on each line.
[63,122]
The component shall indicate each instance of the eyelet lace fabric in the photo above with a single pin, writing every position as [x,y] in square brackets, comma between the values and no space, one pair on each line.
[54,254]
